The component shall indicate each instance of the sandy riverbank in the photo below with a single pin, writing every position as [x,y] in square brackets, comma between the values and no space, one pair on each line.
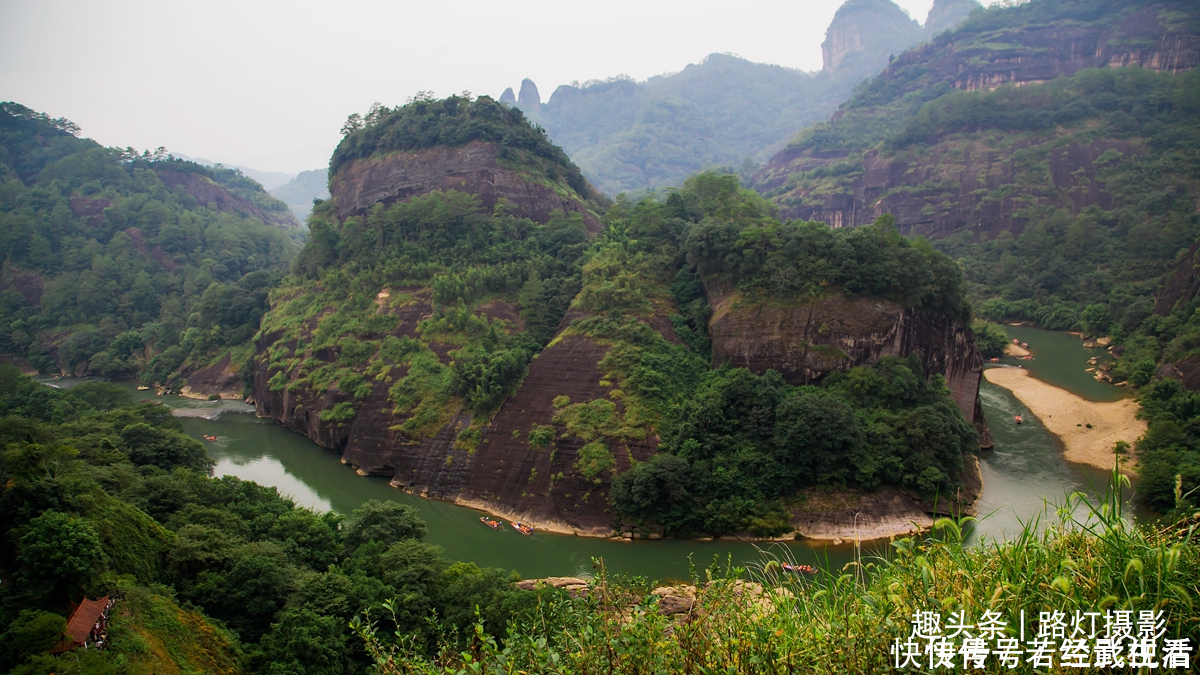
[1015,350]
[1067,415]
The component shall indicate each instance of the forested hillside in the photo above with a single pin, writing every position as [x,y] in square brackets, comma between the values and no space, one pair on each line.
[451,345]
[121,264]
[1066,198]
[101,497]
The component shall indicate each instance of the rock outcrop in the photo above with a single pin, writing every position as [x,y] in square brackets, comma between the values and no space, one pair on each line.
[472,168]
[504,474]
[529,98]
[806,341]
[508,96]
[1183,285]
[946,14]
[865,33]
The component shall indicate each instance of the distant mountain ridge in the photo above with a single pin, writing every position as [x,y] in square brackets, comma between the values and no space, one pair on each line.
[724,112]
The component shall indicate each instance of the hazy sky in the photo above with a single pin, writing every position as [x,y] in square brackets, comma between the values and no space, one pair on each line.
[268,84]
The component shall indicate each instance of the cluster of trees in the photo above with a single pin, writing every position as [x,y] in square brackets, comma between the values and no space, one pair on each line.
[100,496]
[108,268]
[453,122]
[740,448]
[736,242]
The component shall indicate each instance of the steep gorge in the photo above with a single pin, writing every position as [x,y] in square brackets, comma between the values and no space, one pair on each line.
[400,300]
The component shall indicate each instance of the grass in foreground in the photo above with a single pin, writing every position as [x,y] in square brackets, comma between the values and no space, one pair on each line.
[765,621]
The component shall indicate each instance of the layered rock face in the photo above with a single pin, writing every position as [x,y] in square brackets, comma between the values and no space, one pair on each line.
[934,193]
[954,187]
[806,341]
[472,168]
[504,474]
[864,33]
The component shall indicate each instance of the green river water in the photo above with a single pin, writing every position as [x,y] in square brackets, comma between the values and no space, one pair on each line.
[1023,473]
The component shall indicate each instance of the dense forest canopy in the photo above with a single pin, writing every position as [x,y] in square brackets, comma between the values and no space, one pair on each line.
[119,263]
[103,497]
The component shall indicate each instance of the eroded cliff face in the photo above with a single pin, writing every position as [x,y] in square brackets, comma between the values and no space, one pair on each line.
[472,168]
[864,33]
[959,185]
[504,474]
[805,341]
[954,184]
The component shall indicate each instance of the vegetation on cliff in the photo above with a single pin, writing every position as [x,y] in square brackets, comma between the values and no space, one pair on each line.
[1064,200]
[1097,270]
[736,448]
[118,263]
[439,250]
[217,575]
[453,122]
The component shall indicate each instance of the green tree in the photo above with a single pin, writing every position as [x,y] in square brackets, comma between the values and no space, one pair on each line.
[62,553]
[383,522]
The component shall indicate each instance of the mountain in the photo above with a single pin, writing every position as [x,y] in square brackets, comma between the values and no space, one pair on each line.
[722,113]
[947,14]
[299,192]
[120,264]
[464,321]
[864,34]
[1029,142]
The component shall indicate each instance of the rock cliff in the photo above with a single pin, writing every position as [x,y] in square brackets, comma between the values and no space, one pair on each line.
[504,474]
[865,33]
[472,168]
[805,341]
[946,14]
[846,175]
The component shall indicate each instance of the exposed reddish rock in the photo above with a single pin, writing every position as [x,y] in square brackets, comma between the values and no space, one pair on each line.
[939,193]
[221,379]
[1187,371]
[91,210]
[508,476]
[28,284]
[214,196]
[1183,284]
[473,168]
[805,341]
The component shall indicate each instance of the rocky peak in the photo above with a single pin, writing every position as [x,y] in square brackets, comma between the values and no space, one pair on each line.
[946,14]
[865,33]
[508,96]
[528,99]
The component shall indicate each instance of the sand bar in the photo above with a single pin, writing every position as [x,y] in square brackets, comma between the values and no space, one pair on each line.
[1011,349]
[1067,415]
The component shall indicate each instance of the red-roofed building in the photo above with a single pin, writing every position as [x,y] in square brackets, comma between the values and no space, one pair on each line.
[86,626]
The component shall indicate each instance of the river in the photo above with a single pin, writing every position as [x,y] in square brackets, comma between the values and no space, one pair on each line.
[1024,472]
